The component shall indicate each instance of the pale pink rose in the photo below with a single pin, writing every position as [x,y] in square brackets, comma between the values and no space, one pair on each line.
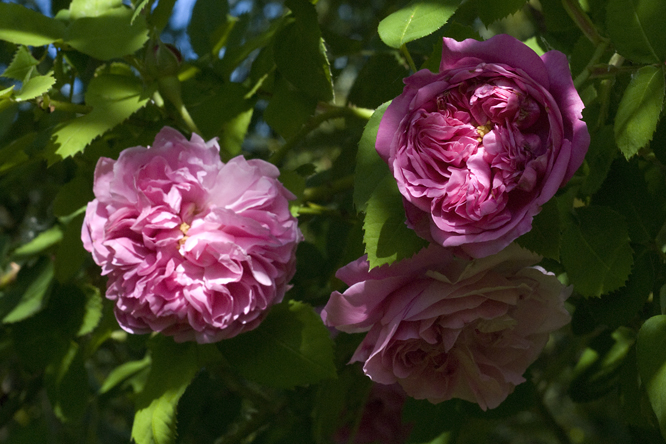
[192,247]
[447,327]
[479,147]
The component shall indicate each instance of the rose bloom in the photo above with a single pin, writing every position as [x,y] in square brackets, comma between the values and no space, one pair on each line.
[477,148]
[446,327]
[193,248]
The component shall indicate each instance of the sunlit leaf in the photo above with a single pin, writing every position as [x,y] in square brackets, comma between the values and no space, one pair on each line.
[21,65]
[639,110]
[386,236]
[44,240]
[123,372]
[414,21]
[29,293]
[114,98]
[370,168]
[35,87]
[91,8]
[172,369]
[109,35]
[24,26]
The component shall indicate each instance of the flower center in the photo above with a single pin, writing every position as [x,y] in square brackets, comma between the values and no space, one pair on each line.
[482,130]
[184,227]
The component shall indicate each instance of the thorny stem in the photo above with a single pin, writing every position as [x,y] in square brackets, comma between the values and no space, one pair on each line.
[583,22]
[331,112]
[329,189]
[48,104]
[585,74]
[605,90]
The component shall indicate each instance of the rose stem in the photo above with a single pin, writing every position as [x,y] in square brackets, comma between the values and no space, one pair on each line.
[583,22]
[585,74]
[329,189]
[408,56]
[548,418]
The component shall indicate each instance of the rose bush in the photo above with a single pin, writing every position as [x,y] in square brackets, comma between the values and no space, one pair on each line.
[193,248]
[446,327]
[477,148]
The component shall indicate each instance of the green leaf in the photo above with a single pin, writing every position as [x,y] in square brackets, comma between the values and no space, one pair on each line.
[159,17]
[626,191]
[599,158]
[91,8]
[124,372]
[114,98]
[636,29]
[288,109]
[379,80]
[370,168]
[651,353]
[596,251]
[93,309]
[71,254]
[490,12]
[300,54]
[24,26]
[72,196]
[173,368]
[621,306]
[139,7]
[44,240]
[21,66]
[386,236]
[417,20]
[208,23]
[109,35]
[220,105]
[544,237]
[66,384]
[598,369]
[291,347]
[29,294]
[234,131]
[35,87]
[639,109]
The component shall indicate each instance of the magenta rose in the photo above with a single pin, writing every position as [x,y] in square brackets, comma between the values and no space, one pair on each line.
[193,248]
[446,327]
[477,148]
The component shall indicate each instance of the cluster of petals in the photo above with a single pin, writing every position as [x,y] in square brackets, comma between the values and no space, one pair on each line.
[192,247]
[447,327]
[479,147]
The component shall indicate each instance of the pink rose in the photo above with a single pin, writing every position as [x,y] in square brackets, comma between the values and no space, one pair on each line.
[446,327]
[478,148]
[193,248]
